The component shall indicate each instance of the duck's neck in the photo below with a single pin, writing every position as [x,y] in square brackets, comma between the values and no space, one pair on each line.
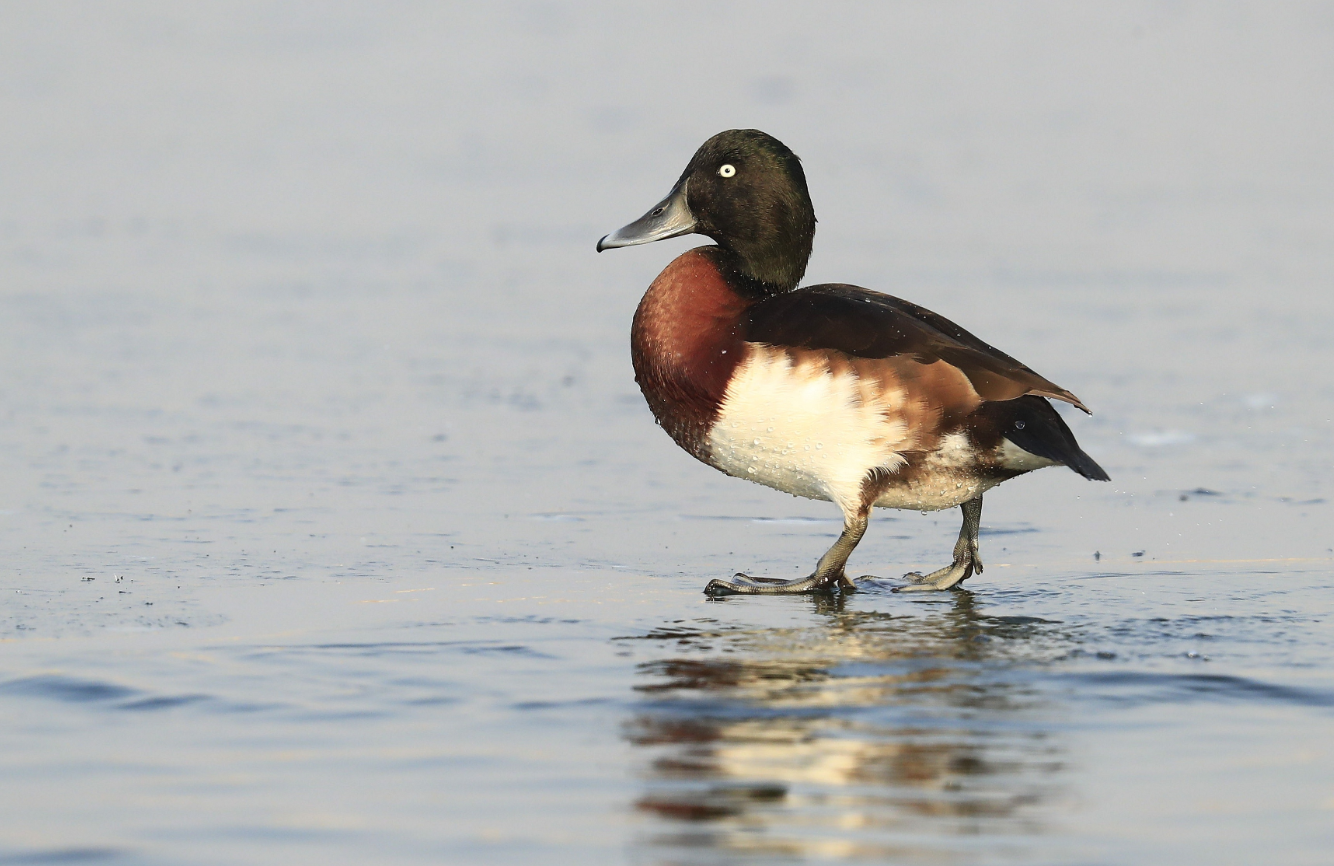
[686,341]
[773,244]
[771,267]
[755,279]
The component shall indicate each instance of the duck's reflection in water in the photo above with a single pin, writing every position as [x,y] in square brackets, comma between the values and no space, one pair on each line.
[917,737]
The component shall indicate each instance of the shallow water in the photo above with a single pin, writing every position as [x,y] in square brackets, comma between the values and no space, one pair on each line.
[335,529]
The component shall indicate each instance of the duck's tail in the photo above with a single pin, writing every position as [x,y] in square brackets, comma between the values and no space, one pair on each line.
[1032,424]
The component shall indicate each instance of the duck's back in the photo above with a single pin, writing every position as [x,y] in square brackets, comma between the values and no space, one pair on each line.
[866,324]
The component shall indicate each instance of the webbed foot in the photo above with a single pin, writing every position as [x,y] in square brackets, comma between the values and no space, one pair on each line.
[966,558]
[827,577]
[743,584]
[945,578]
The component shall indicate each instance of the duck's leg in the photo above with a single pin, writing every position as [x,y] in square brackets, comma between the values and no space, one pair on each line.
[966,558]
[828,572]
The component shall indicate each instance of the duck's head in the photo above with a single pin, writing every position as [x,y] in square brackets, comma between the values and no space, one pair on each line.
[744,189]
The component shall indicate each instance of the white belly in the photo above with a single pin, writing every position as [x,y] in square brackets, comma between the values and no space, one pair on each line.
[807,427]
[811,426]
[947,477]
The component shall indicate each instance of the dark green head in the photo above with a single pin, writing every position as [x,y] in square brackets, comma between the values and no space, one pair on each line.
[744,189]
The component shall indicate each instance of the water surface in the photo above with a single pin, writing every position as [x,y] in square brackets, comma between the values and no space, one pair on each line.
[334,528]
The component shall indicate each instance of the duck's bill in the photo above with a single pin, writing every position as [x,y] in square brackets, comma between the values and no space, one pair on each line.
[669,218]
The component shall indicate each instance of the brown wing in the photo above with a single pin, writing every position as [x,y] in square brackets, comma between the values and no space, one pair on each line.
[867,324]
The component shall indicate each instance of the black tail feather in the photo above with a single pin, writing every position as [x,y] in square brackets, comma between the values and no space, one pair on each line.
[1031,423]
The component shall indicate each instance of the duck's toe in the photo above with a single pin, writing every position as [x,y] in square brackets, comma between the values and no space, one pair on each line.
[944,578]
[743,584]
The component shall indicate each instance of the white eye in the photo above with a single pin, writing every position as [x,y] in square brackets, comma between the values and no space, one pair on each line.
[727,170]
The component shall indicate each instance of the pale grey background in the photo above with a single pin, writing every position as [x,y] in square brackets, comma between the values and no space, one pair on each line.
[302,335]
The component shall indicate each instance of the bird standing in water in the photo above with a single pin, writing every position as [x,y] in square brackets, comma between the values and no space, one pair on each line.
[831,392]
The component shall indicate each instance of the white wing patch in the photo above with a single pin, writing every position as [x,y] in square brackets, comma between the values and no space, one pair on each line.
[797,422]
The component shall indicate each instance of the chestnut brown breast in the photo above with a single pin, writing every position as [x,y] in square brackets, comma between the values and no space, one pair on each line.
[685,343]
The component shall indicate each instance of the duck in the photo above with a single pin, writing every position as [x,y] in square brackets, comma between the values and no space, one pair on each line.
[831,392]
